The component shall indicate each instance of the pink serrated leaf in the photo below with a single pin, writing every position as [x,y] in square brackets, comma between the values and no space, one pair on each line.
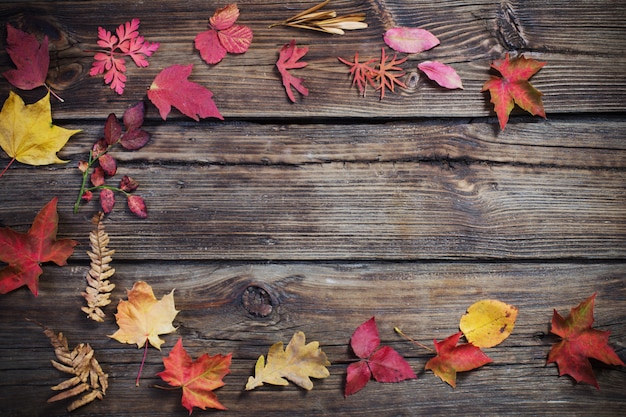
[410,40]
[236,39]
[442,74]
[225,17]
[171,88]
[211,49]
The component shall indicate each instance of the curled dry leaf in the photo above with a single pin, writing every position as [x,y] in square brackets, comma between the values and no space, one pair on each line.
[88,377]
[324,21]
[98,291]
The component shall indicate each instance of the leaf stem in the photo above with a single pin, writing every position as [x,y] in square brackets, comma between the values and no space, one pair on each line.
[415,342]
[143,361]
[54,94]
[7,167]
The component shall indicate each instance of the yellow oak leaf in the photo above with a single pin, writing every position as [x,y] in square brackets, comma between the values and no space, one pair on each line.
[488,322]
[27,133]
[143,317]
[297,363]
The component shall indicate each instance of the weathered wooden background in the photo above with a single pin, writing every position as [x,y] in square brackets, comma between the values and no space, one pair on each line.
[338,207]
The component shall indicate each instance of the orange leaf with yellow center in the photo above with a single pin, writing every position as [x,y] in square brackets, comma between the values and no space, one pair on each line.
[488,322]
[143,318]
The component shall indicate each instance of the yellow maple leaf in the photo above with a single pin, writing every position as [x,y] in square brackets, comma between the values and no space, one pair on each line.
[27,133]
[488,322]
[143,317]
[297,363]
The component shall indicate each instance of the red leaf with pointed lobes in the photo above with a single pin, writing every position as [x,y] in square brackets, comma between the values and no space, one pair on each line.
[197,378]
[31,58]
[513,87]
[580,342]
[288,59]
[452,358]
[171,88]
[137,206]
[24,252]
[384,364]
[107,200]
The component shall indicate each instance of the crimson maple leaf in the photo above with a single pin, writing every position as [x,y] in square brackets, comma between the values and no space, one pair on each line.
[384,364]
[513,87]
[24,252]
[171,88]
[29,56]
[288,59]
[362,73]
[580,342]
[223,36]
[197,378]
[127,43]
[452,358]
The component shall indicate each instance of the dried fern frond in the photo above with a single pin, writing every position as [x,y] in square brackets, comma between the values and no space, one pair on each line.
[324,21]
[98,291]
[88,376]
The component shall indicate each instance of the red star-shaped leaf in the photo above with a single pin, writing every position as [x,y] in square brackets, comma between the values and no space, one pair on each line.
[452,358]
[197,378]
[24,252]
[580,342]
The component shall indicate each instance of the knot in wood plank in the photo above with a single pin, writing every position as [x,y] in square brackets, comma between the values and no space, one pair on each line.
[257,301]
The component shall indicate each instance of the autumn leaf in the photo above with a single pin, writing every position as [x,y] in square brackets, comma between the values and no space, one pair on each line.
[442,74]
[29,56]
[25,252]
[488,322]
[197,378]
[579,343]
[27,133]
[298,363]
[388,72]
[143,318]
[514,88]
[110,61]
[324,21]
[410,40]
[223,36]
[384,364]
[452,358]
[288,59]
[171,88]
[362,73]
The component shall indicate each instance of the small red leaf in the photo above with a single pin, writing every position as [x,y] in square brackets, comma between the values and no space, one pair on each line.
[171,88]
[87,196]
[97,177]
[288,59]
[107,200]
[137,206]
[365,339]
[387,365]
[134,115]
[108,164]
[410,40]
[29,56]
[211,49]
[236,39]
[128,184]
[112,130]
[442,74]
[135,139]
[358,375]
[223,36]
[225,17]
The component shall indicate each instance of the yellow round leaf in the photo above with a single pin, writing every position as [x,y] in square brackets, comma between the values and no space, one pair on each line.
[488,322]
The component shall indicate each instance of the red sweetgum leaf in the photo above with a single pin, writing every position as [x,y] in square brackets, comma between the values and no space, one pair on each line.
[107,200]
[197,378]
[452,358]
[410,40]
[137,206]
[442,74]
[288,59]
[513,87]
[31,58]
[171,88]
[25,252]
[580,342]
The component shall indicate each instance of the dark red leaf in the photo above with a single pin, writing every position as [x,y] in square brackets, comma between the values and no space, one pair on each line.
[357,378]
[29,56]
[365,339]
[112,129]
[134,116]
[107,200]
[108,164]
[137,206]
[87,196]
[387,365]
[135,139]
[97,177]
[128,184]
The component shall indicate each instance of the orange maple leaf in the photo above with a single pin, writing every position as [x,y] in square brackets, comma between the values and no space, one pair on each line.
[197,378]
[143,318]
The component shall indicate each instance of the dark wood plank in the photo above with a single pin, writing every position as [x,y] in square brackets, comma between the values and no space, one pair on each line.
[327,302]
[244,85]
[387,210]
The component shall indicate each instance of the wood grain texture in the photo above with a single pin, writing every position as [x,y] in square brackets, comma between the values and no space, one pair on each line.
[318,215]
[327,301]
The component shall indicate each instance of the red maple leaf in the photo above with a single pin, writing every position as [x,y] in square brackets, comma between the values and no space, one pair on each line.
[197,378]
[24,252]
[387,73]
[127,43]
[384,364]
[361,72]
[580,342]
[29,56]
[513,87]
[171,88]
[288,59]
[452,358]
[223,36]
